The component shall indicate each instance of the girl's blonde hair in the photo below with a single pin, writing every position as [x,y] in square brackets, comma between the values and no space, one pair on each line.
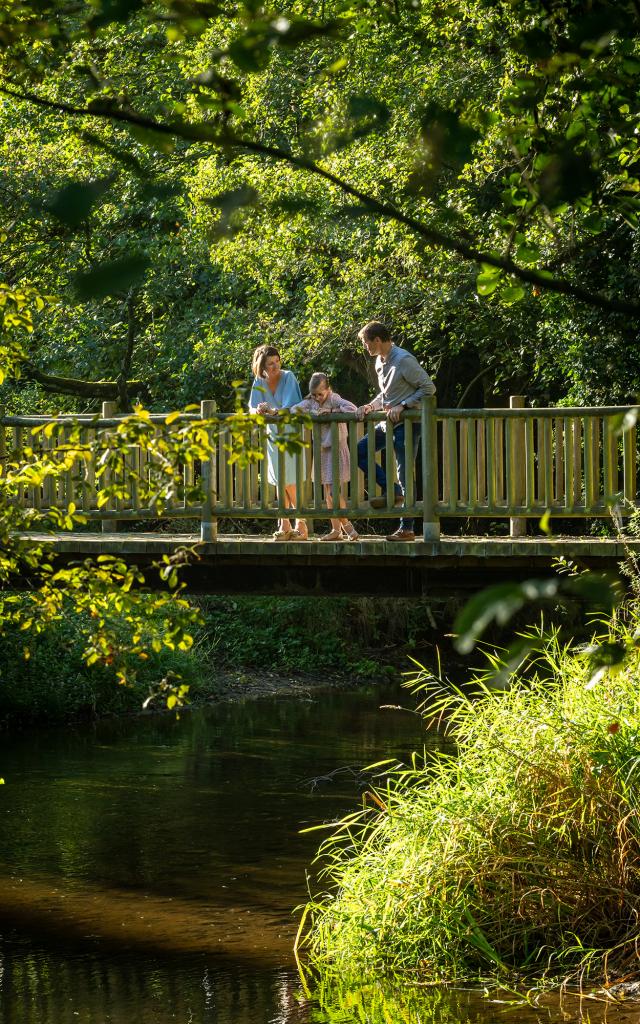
[316,380]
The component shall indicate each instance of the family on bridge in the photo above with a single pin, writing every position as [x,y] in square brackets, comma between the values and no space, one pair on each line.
[402,383]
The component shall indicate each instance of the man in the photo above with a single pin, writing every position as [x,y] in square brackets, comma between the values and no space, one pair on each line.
[402,383]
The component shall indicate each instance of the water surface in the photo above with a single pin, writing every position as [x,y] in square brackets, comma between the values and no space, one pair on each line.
[149,867]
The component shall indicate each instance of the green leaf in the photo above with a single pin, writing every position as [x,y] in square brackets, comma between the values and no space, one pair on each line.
[497,604]
[110,278]
[73,203]
[229,201]
[512,294]
[251,52]
[527,254]
[488,280]
[115,10]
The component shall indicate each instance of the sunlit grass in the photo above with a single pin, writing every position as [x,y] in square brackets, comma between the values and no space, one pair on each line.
[517,856]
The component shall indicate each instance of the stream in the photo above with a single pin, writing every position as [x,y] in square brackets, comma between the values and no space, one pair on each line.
[149,867]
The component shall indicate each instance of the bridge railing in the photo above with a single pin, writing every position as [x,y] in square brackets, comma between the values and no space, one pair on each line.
[515,463]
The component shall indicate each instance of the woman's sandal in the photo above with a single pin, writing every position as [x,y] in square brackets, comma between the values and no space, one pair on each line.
[298,534]
[350,534]
[334,535]
[283,535]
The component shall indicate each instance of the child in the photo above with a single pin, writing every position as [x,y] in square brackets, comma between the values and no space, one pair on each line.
[321,399]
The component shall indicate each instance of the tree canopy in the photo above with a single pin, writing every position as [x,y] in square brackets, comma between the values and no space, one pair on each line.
[188,179]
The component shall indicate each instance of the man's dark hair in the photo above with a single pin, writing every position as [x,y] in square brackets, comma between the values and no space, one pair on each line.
[374,329]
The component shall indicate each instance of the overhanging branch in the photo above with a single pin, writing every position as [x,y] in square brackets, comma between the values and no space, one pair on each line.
[106,390]
[436,238]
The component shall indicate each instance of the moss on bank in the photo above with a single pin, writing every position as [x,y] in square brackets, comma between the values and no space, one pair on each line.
[516,857]
[361,639]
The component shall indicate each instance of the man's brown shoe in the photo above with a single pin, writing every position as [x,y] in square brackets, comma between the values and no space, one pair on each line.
[381,501]
[402,535]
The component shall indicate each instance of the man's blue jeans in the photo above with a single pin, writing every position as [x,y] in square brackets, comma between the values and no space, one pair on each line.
[380,436]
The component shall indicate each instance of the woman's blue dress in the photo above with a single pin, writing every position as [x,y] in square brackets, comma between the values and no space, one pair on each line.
[286,394]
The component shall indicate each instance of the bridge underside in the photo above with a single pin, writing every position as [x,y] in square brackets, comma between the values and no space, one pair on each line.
[371,566]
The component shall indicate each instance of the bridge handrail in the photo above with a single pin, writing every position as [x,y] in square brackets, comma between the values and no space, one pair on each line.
[491,462]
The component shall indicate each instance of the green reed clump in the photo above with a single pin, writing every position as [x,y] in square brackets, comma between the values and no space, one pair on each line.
[518,854]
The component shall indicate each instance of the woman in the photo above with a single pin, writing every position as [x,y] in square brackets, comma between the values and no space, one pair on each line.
[322,399]
[274,389]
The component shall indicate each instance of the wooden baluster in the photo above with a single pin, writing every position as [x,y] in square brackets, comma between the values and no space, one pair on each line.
[530,463]
[498,452]
[578,468]
[89,503]
[255,472]
[222,495]
[429,449]
[317,468]
[227,469]
[596,458]
[589,482]
[547,461]
[371,458]
[630,463]
[208,520]
[336,485]
[300,480]
[472,467]
[410,462]
[481,461]
[264,468]
[356,482]
[558,444]
[390,466]
[446,465]
[452,447]
[463,448]
[610,462]
[516,465]
[109,409]
[491,464]
[18,457]
[569,467]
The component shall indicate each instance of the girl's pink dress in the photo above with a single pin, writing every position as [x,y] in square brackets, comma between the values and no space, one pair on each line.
[334,403]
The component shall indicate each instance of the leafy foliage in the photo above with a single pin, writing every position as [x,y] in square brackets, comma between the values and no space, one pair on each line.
[517,857]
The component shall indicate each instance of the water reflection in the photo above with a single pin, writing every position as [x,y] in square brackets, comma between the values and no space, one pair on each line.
[138,840]
[148,869]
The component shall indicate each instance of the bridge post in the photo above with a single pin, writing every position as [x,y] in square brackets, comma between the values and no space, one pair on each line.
[208,524]
[429,452]
[109,409]
[516,465]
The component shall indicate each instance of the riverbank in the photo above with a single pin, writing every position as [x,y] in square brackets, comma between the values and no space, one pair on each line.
[245,646]
[519,858]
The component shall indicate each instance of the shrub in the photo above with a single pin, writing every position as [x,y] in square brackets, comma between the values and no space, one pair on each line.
[518,854]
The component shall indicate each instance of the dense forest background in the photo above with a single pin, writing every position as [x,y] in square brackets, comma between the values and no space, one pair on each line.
[165,256]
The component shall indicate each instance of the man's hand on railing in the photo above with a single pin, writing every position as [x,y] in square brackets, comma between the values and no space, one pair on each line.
[394,412]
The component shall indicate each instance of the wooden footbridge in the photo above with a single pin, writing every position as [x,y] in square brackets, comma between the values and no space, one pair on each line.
[155,484]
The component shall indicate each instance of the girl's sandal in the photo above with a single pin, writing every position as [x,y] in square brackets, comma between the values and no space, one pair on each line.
[296,535]
[351,534]
[334,535]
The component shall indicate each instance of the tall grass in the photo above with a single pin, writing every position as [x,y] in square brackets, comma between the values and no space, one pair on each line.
[517,855]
